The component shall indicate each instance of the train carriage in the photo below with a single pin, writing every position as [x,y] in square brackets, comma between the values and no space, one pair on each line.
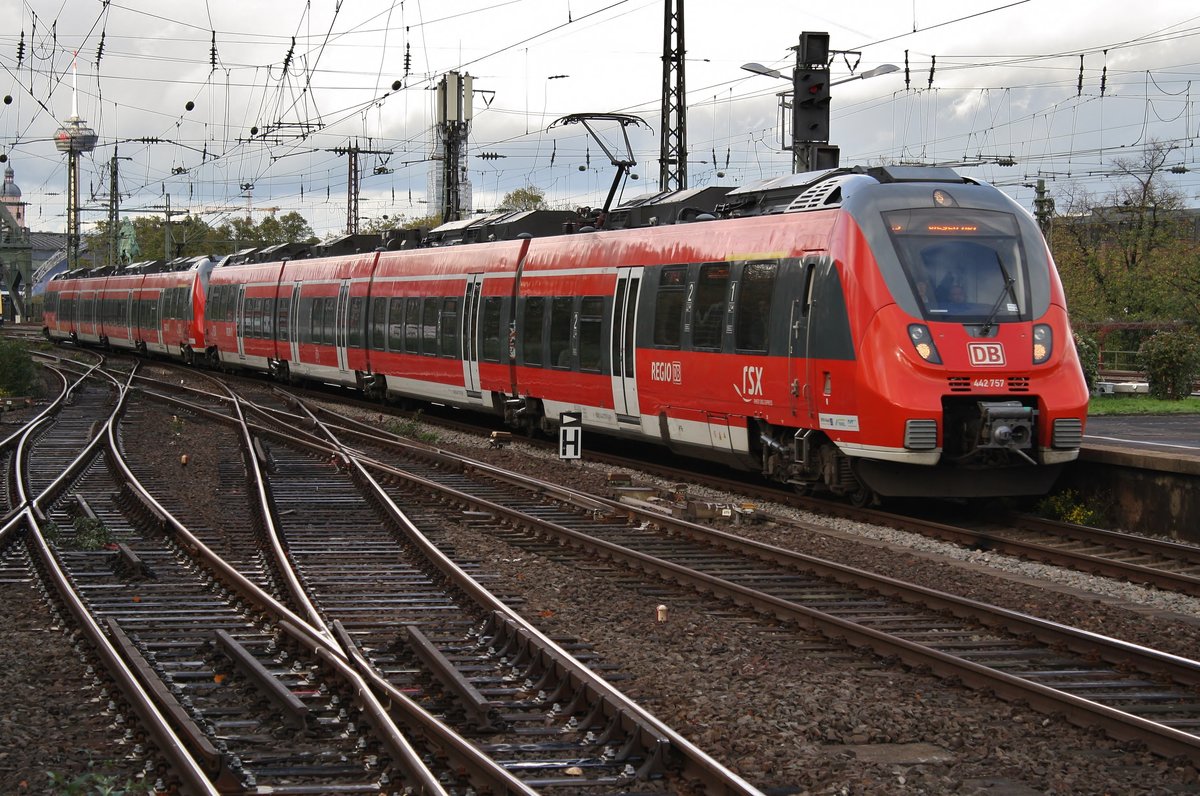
[891,331]
[239,320]
[320,312]
[424,320]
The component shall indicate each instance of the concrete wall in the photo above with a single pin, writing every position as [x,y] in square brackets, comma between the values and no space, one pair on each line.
[1143,492]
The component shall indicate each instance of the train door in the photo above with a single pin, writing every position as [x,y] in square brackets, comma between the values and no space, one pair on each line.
[130,317]
[624,370]
[294,323]
[239,322]
[801,372]
[341,324]
[472,307]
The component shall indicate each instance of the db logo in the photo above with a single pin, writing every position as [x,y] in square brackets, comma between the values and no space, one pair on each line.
[986,355]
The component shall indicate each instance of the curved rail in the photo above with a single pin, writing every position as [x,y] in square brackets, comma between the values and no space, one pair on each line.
[1122,724]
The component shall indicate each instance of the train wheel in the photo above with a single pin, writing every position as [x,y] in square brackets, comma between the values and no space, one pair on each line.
[862,496]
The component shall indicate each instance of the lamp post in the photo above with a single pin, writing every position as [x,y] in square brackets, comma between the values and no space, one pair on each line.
[809,101]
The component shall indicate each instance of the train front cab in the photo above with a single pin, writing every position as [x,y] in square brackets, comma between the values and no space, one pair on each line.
[969,359]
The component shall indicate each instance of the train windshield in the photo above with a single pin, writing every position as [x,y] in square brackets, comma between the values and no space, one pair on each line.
[962,265]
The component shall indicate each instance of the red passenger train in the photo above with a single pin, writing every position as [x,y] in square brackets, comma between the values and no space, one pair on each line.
[892,331]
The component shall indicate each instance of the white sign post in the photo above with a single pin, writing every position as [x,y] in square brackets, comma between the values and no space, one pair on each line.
[570,435]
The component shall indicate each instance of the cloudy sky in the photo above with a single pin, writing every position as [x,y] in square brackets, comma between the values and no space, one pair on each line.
[230,105]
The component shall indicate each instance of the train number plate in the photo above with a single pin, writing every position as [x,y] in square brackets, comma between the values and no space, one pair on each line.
[989,384]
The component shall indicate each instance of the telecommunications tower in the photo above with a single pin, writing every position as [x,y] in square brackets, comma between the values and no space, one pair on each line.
[74,137]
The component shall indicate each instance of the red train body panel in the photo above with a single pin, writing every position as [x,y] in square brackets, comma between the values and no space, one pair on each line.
[897,332]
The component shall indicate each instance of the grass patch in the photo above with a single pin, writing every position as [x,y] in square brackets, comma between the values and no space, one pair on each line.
[1140,405]
[411,428]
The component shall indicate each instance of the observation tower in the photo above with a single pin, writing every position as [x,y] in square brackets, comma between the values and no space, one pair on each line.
[74,137]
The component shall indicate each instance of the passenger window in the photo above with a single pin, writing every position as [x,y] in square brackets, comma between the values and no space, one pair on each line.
[561,310]
[591,337]
[490,329]
[449,328]
[395,325]
[379,323]
[712,284]
[412,326]
[354,335]
[668,306]
[429,326]
[531,331]
[754,306]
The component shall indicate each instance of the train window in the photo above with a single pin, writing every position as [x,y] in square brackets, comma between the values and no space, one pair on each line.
[266,309]
[330,321]
[962,265]
[449,327]
[395,325]
[754,306]
[429,326]
[532,323]
[591,337]
[355,334]
[490,329]
[561,309]
[304,318]
[379,324]
[412,326]
[254,317]
[668,306]
[712,283]
[283,317]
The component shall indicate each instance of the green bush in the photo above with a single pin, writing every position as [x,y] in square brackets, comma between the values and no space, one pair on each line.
[1066,506]
[18,376]
[1172,363]
[1089,358]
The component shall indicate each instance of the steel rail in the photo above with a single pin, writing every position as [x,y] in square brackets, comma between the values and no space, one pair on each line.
[485,772]
[296,627]
[697,762]
[156,724]
[1117,723]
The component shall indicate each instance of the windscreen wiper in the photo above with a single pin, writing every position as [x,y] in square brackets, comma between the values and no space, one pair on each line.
[1005,292]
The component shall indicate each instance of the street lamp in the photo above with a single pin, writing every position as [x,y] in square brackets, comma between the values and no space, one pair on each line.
[809,101]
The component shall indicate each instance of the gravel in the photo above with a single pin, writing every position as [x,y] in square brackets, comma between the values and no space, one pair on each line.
[791,711]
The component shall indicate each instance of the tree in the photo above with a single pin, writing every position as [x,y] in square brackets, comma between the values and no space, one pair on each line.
[1128,255]
[242,233]
[528,198]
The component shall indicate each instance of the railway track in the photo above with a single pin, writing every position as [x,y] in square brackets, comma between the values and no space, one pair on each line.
[432,631]
[1130,692]
[1129,557]
[238,693]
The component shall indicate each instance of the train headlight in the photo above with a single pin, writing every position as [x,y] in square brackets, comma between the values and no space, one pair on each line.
[922,340]
[1043,343]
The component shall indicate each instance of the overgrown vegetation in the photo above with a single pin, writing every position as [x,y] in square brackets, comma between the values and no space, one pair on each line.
[1068,506]
[90,534]
[92,783]
[18,376]
[1172,363]
[412,428]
